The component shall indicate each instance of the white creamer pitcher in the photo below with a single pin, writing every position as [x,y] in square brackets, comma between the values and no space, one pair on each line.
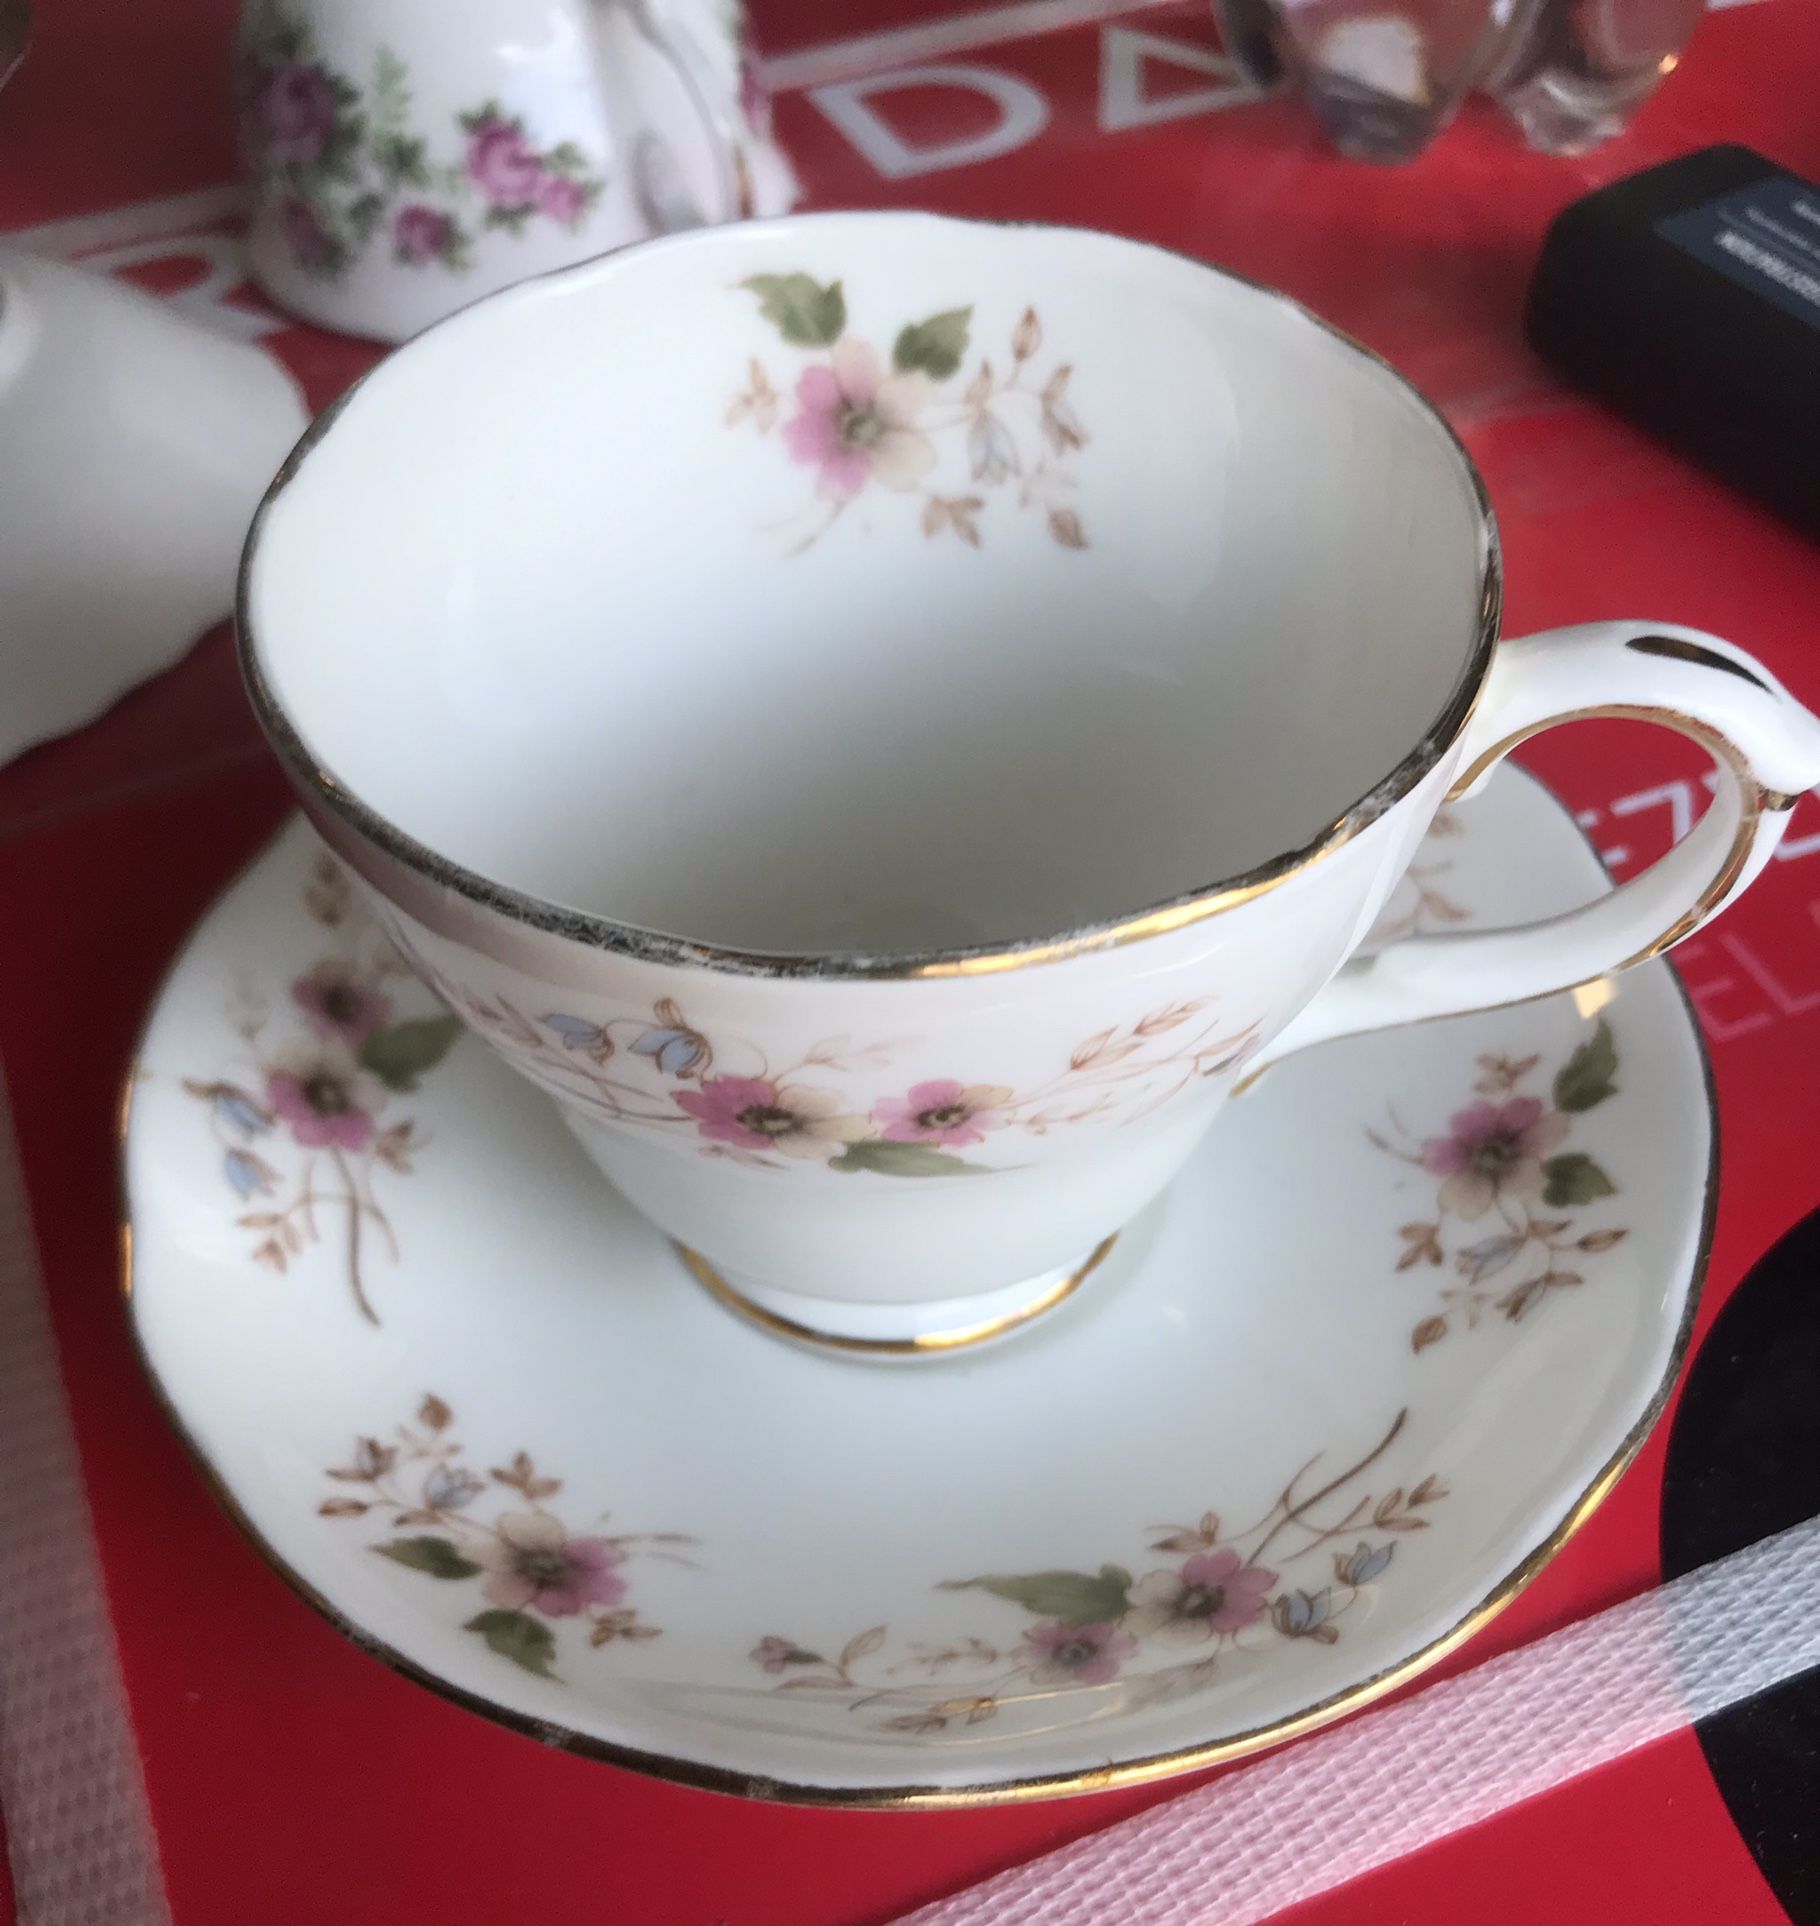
[409,156]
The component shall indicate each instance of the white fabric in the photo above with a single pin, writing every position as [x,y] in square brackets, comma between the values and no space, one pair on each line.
[1360,1795]
[78,1832]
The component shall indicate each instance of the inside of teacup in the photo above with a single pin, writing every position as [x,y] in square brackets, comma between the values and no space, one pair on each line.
[871,582]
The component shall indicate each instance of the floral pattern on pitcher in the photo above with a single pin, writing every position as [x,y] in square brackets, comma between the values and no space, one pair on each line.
[1288,1577]
[659,1071]
[532,1575]
[861,424]
[308,1123]
[1510,1187]
[355,171]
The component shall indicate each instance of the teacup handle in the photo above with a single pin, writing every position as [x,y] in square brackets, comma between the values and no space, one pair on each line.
[1766,747]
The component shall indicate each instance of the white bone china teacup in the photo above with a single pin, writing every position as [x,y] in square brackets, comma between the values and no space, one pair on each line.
[890,720]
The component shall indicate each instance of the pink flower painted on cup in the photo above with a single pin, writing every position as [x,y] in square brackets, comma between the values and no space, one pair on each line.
[534,1562]
[310,243]
[296,113]
[338,1006]
[942,1112]
[562,198]
[756,1115]
[773,1654]
[1212,1592]
[502,165]
[421,233]
[324,1097]
[1077,1654]
[1493,1150]
[857,424]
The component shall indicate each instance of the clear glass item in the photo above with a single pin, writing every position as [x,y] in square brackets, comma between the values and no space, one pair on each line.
[1571,73]
[1383,76]
[15,30]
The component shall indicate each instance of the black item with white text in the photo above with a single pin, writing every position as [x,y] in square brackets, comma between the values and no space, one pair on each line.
[1688,297]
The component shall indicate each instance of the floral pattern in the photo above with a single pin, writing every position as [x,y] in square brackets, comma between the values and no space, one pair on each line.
[659,1072]
[1508,1190]
[861,424]
[307,1123]
[353,171]
[1223,1595]
[528,1567]
[1421,903]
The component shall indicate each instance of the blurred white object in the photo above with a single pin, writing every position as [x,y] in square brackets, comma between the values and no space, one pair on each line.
[134,447]
[410,156]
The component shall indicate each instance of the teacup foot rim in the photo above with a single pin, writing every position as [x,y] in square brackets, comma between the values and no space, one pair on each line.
[842,1331]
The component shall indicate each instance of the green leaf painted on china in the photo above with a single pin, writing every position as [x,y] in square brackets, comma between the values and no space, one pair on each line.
[1573,1178]
[400,1055]
[440,1557]
[904,1160]
[804,312]
[1587,1077]
[1076,1598]
[935,346]
[518,1637]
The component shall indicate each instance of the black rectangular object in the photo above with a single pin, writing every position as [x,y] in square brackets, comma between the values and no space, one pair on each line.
[1688,297]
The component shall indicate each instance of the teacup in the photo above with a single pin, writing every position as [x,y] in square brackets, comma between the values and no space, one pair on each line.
[891,721]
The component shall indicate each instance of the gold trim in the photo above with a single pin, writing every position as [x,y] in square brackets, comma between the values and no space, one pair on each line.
[912,1797]
[932,1343]
[1776,801]
[1677,648]
[1752,800]
[324,794]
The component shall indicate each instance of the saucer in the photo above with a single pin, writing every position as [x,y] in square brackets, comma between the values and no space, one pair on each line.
[1317,1416]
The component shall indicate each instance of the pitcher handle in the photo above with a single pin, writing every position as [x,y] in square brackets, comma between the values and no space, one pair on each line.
[656,23]
[1767,750]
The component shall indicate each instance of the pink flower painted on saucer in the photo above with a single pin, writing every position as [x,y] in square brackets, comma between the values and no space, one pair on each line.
[1505,1173]
[1223,1602]
[1493,1150]
[306,1120]
[943,1113]
[529,1567]
[338,1005]
[325,1099]
[1077,1654]
[1214,1592]
[532,1562]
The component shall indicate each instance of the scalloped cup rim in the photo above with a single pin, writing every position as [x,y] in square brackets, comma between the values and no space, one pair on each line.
[329,797]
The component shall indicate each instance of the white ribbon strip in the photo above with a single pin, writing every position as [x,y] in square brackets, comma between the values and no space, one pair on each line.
[1334,1807]
[78,1831]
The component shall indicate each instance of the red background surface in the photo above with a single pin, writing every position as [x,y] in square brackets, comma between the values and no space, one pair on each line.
[293,1778]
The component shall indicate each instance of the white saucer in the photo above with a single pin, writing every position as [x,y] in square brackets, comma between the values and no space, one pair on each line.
[1313,1421]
